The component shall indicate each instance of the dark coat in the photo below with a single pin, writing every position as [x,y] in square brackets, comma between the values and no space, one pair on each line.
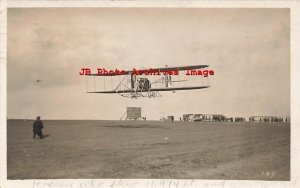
[38,125]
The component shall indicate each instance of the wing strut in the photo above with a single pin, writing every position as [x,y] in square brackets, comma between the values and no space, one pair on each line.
[94,84]
[86,85]
[131,80]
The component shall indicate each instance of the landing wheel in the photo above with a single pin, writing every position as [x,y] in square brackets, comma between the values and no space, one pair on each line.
[151,94]
[134,96]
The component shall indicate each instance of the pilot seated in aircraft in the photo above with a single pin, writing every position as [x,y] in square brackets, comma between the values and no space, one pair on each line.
[144,84]
[37,128]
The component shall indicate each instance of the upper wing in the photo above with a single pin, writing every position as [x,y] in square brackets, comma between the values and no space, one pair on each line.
[183,68]
[111,74]
[152,89]
[178,88]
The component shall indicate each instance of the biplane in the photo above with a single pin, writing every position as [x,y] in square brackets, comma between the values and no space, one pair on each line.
[135,85]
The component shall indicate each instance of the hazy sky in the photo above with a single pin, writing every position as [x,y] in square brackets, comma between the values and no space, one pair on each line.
[247,48]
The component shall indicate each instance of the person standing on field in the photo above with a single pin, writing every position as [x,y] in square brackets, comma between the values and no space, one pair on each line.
[37,128]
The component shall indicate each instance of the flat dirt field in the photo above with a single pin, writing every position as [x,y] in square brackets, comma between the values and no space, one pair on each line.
[149,149]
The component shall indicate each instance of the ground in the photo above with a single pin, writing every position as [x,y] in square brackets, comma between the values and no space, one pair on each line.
[149,149]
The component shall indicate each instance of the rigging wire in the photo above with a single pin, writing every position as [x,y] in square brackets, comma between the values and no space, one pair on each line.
[178,77]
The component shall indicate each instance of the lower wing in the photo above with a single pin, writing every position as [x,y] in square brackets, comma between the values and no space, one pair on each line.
[152,89]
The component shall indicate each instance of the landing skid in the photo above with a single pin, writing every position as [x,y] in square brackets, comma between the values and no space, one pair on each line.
[135,95]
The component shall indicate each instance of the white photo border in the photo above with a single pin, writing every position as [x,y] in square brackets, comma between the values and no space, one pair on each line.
[294,7]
